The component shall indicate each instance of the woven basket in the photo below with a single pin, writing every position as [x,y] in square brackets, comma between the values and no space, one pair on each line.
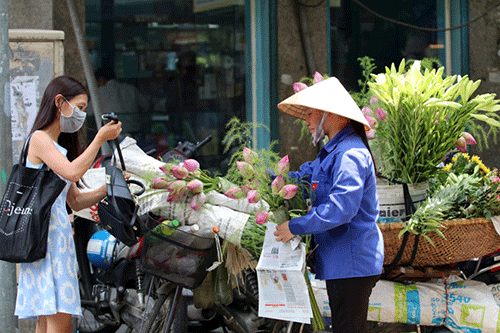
[465,239]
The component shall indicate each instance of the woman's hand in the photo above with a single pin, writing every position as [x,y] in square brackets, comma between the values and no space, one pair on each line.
[110,131]
[283,232]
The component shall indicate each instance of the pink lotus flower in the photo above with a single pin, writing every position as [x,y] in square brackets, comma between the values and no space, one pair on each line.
[159,183]
[246,169]
[261,217]
[177,186]
[179,172]
[381,114]
[234,193]
[195,186]
[253,196]
[198,201]
[469,139]
[372,121]
[373,100]
[288,191]
[277,184]
[317,77]
[298,86]
[283,165]
[461,144]
[250,156]
[367,111]
[191,165]
[370,134]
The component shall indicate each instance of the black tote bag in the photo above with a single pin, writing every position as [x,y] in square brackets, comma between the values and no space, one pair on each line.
[25,211]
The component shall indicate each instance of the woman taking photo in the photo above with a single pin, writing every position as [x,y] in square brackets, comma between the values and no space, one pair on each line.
[344,211]
[48,288]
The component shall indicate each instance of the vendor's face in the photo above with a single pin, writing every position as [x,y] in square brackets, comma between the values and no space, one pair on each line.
[312,119]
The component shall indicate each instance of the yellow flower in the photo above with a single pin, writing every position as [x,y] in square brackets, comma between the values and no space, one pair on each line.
[447,167]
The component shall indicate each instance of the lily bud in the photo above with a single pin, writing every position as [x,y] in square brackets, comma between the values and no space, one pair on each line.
[277,184]
[298,86]
[253,196]
[245,169]
[198,201]
[234,193]
[461,144]
[159,183]
[250,156]
[469,139]
[195,186]
[283,165]
[261,217]
[191,165]
[288,191]
[179,172]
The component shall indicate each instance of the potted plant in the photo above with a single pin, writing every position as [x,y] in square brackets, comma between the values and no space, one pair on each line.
[418,116]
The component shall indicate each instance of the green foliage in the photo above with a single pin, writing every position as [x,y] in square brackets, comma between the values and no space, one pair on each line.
[362,97]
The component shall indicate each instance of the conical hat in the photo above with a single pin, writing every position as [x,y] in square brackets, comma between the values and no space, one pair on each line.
[328,95]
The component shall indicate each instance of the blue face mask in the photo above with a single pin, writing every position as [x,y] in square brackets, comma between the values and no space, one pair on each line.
[73,122]
[319,133]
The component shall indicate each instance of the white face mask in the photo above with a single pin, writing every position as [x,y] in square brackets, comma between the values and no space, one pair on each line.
[73,122]
[319,133]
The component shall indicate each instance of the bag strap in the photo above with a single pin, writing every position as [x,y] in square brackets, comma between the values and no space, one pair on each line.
[120,155]
[24,156]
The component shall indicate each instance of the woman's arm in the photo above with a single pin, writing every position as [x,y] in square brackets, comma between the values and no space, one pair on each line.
[43,150]
[78,200]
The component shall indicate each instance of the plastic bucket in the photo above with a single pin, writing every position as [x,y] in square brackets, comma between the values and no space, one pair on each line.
[392,202]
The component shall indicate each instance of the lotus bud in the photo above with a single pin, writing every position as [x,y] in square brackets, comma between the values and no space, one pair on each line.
[245,169]
[317,77]
[198,201]
[461,144]
[372,121]
[234,193]
[373,100]
[288,191]
[298,86]
[250,156]
[195,186]
[164,169]
[366,110]
[179,172]
[177,186]
[277,184]
[191,165]
[173,197]
[261,217]
[159,183]
[283,166]
[469,139]
[245,189]
[381,114]
[253,196]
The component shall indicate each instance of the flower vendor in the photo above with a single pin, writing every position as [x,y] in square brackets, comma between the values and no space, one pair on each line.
[342,219]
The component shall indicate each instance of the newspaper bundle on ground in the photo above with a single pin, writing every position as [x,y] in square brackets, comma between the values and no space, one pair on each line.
[283,290]
[460,305]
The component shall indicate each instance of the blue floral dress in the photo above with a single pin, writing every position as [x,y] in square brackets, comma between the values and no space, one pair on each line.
[50,285]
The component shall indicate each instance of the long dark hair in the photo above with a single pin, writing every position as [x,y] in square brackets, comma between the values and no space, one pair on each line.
[359,128]
[69,88]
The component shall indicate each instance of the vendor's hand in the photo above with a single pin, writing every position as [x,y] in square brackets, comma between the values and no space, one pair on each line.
[283,232]
[126,175]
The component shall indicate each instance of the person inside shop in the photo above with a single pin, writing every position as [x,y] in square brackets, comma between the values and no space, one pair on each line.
[349,250]
[124,99]
[48,288]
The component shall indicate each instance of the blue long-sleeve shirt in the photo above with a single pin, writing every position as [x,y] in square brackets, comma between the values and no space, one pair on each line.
[344,209]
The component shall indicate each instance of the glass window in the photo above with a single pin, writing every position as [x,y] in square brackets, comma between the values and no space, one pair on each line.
[179,71]
[355,32]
